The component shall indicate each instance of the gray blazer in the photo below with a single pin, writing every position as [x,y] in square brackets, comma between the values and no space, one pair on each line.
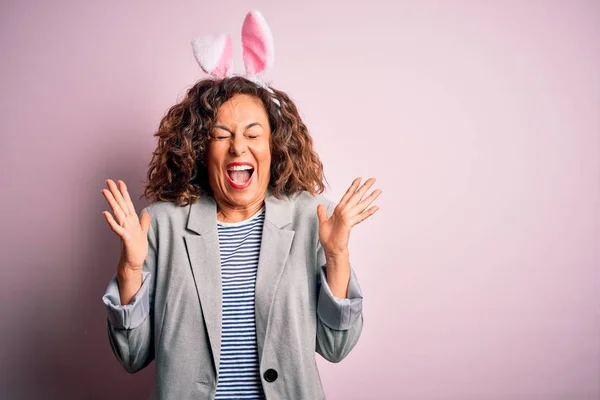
[175,318]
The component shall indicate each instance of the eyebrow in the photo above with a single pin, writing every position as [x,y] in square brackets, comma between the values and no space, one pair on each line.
[250,125]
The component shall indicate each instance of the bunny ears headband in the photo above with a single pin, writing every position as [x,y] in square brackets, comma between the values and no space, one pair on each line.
[215,54]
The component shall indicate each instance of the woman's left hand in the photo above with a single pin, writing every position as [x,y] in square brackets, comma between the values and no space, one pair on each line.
[334,231]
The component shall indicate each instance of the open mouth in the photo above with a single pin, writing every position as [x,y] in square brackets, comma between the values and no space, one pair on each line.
[240,175]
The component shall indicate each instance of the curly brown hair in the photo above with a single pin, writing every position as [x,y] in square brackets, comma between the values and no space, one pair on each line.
[177,170]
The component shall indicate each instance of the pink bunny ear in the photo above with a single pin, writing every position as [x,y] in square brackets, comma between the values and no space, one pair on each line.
[215,55]
[257,42]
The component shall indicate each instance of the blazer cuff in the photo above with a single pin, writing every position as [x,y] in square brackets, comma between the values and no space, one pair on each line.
[130,315]
[339,314]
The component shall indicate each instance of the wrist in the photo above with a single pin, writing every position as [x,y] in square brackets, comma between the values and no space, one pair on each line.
[338,258]
[126,273]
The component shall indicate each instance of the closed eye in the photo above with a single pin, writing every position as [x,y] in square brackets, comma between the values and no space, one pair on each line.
[221,132]
[253,133]
[221,135]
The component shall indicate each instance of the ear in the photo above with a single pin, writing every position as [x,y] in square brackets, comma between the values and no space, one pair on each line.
[257,43]
[214,54]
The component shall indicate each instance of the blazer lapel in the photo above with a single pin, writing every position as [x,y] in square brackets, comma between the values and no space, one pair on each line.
[204,256]
[275,248]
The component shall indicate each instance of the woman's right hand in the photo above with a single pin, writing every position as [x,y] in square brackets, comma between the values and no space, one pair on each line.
[132,230]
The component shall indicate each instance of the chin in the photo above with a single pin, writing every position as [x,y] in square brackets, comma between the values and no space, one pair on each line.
[245,196]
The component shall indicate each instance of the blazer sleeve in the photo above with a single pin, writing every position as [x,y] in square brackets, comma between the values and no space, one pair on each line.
[339,321]
[130,326]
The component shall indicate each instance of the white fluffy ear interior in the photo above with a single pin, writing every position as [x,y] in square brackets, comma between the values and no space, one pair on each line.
[211,53]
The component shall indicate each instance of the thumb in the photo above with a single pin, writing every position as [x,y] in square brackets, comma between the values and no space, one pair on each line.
[322,213]
[145,221]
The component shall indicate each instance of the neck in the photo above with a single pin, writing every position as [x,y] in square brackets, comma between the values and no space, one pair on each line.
[232,213]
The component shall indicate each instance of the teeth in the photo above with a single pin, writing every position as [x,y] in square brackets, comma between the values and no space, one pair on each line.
[239,168]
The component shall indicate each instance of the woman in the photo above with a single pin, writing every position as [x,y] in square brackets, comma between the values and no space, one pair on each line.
[240,270]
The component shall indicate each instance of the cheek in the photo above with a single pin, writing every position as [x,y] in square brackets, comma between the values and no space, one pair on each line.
[266,160]
[262,152]
[213,167]
[214,157]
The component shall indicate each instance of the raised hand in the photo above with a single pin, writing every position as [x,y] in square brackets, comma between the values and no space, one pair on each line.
[334,231]
[132,230]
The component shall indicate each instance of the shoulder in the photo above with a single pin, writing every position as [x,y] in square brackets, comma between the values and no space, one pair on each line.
[304,206]
[165,208]
[166,213]
[306,201]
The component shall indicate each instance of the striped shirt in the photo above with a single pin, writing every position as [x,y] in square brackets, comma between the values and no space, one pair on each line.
[239,245]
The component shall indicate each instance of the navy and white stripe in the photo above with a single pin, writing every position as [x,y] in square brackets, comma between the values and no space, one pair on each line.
[239,244]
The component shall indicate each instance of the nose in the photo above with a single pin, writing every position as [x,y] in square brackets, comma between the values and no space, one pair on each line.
[238,145]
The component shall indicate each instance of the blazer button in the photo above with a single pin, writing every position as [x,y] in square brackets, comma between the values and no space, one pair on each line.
[270,375]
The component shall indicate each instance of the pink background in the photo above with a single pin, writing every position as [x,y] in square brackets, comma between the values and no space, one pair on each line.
[480,119]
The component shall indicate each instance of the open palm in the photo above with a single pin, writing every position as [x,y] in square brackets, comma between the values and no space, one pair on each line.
[334,231]
[132,230]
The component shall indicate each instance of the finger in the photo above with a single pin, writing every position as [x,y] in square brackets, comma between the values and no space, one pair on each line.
[358,195]
[126,197]
[114,226]
[145,221]
[118,196]
[366,202]
[364,215]
[351,190]
[322,213]
[116,208]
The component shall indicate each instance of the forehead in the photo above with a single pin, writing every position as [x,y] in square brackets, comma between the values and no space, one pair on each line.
[242,108]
